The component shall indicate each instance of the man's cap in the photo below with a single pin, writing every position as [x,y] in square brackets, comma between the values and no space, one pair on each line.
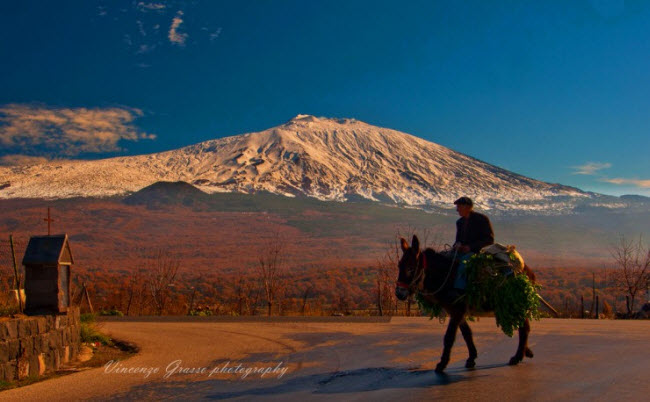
[464,201]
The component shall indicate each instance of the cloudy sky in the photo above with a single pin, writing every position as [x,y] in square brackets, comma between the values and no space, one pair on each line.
[555,90]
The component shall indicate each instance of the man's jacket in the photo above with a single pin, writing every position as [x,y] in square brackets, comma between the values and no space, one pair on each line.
[474,231]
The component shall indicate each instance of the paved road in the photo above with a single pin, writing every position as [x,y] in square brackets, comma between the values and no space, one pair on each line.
[574,360]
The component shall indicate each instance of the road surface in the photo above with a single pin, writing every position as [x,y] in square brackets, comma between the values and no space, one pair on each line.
[574,360]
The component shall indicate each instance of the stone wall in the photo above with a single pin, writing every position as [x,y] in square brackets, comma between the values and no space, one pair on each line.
[33,346]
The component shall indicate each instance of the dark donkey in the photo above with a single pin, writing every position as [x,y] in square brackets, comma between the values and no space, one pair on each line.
[437,271]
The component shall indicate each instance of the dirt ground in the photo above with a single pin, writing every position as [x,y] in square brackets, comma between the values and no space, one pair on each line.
[288,359]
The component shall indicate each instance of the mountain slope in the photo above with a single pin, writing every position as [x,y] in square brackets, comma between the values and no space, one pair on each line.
[329,159]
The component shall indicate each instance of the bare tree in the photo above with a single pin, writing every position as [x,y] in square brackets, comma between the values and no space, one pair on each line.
[387,269]
[240,293]
[194,291]
[385,290]
[427,236]
[632,262]
[161,277]
[134,291]
[309,288]
[270,269]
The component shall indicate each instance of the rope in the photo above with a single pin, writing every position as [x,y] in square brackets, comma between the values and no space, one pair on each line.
[420,275]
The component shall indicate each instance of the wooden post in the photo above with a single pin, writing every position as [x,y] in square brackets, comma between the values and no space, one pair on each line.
[86,296]
[627,304]
[16,276]
[582,307]
[548,306]
[597,308]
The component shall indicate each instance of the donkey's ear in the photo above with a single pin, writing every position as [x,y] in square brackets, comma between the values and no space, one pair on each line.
[405,245]
[415,243]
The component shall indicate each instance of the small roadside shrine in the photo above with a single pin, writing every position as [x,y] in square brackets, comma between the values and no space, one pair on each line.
[47,264]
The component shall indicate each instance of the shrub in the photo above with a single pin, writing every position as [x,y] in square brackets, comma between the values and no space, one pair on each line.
[201,313]
[113,312]
[90,331]
[88,318]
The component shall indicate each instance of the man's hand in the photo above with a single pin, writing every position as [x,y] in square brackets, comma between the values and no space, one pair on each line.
[461,248]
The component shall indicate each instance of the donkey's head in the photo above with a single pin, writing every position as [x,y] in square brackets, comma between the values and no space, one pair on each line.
[407,266]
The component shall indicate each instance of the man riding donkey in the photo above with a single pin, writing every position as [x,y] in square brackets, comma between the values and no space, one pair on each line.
[473,232]
[498,274]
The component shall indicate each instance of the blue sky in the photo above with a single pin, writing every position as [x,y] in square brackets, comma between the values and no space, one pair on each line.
[555,90]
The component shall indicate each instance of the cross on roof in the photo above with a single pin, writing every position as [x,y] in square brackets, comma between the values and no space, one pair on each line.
[49,221]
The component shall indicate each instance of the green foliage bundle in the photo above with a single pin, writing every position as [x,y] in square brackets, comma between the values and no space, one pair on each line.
[491,284]
[428,307]
[514,302]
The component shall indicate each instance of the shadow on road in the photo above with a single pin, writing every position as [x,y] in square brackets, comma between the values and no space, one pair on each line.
[352,381]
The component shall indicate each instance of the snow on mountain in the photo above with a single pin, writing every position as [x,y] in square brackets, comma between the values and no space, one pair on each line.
[329,159]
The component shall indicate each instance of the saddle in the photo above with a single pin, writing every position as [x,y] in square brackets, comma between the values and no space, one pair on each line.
[507,255]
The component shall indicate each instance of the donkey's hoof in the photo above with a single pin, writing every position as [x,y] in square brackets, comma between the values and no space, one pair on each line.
[514,360]
[470,364]
[529,353]
[440,367]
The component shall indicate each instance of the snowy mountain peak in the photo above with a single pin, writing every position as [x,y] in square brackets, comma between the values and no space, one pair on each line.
[304,118]
[330,159]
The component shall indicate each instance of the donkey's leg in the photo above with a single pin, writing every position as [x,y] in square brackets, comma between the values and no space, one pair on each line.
[528,352]
[523,344]
[450,336]
[469,340]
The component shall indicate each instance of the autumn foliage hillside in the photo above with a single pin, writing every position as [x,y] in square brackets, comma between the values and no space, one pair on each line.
[335,257]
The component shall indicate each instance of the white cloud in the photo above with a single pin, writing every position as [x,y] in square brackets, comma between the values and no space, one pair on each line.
[590,168]
[175,36]
[141,28]
[145,49]
[142,6]
[634,182]
[214,35]
[41,130]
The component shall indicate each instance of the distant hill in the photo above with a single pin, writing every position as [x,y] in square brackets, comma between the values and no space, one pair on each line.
[635,198]
[168,193]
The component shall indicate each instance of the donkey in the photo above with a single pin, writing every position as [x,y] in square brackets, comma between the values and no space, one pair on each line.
[434,273]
